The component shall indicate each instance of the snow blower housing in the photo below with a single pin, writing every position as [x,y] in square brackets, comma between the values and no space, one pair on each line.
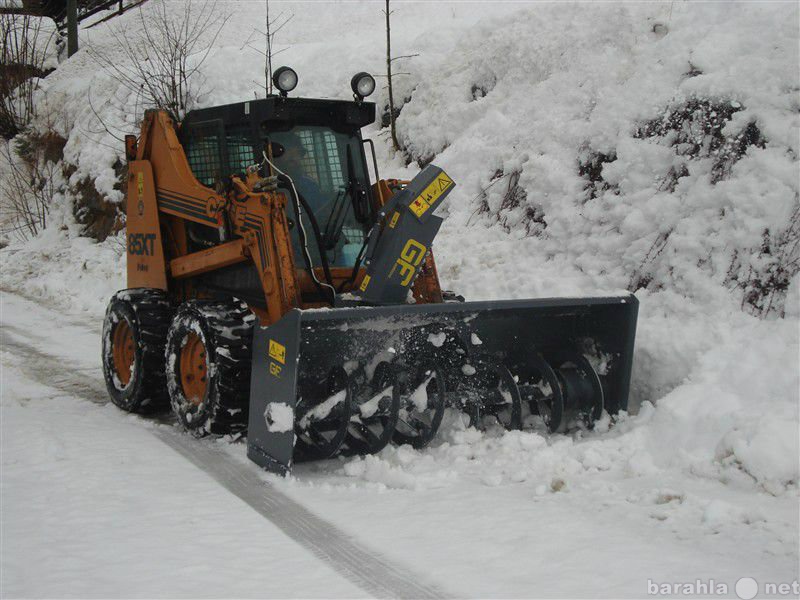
[273,289]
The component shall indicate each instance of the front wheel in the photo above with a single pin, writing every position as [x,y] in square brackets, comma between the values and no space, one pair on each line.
[208,356]
[134,333]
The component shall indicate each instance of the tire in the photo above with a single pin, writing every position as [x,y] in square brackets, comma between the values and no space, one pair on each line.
[208,362]
[134,334]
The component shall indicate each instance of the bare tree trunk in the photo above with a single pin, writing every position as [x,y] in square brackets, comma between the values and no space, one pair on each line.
[395,144]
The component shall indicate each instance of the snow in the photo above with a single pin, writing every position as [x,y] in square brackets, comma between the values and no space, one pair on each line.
[699,480]
[279,417]
[95,506]
[368,408]
[437,339]
[419,397]
[552,499]
[323,409]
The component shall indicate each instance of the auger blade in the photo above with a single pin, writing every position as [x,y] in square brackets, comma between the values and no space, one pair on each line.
[454,339]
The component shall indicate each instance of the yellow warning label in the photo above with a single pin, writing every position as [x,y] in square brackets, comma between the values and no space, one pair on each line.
[393,222]
[431,194]
[140,183]
[277,351]
[364,283]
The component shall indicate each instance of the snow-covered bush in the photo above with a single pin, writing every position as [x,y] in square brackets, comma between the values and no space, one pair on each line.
[31,173]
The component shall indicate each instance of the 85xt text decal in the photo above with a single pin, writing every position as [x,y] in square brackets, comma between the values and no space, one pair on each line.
[141,244]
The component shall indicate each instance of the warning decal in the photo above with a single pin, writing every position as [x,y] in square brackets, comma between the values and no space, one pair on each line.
[430,194]
[277,351]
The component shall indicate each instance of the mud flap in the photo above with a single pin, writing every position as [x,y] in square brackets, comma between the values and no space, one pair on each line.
[292,357]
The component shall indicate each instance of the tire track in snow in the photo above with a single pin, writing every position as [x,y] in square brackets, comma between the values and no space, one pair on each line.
[52,371]
[365,568]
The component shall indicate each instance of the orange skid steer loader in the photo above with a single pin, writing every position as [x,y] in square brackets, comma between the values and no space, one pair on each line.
[272,289]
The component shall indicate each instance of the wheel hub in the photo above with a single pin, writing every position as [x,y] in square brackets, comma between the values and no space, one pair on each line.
[123,351]
[194,376]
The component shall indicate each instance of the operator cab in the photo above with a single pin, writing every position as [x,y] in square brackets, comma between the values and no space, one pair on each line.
[317,143]
[329,173]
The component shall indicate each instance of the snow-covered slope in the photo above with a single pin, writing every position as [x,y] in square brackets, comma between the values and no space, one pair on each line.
[652,147]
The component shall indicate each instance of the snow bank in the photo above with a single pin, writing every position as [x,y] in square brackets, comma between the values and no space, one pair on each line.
[60,267]
[738,411]
[544,126]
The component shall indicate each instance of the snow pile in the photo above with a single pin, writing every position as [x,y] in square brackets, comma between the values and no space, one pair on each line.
[639,147]
[739,408]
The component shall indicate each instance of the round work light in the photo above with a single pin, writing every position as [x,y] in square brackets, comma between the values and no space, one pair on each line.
[362,84]
[285,79]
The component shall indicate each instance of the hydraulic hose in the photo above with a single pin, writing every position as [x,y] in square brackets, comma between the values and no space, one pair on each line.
[298,200]
[317,235]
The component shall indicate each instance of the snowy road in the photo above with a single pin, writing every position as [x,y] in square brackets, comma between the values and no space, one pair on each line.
[364,568]
[98,503]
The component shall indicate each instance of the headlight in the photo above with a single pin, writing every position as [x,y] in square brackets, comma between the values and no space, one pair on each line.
[285,79]
[362,85]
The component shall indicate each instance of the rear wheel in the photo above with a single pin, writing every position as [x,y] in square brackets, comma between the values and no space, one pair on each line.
[134,334]
[208,356]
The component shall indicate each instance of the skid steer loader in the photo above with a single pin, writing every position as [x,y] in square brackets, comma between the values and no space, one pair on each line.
[273,290]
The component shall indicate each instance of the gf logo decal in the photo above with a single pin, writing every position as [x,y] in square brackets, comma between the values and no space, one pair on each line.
[410,258]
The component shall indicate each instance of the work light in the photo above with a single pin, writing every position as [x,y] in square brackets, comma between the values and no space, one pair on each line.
[362,85]
[285,79]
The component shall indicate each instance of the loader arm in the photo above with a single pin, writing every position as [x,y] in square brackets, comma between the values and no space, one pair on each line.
[169,195]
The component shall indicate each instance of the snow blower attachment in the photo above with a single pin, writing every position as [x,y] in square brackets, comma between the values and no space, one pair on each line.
[273,290]
[351,380]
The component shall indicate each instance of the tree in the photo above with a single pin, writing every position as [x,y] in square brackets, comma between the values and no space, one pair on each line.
[162,65]
[389,60]
[271,29]
[25,45]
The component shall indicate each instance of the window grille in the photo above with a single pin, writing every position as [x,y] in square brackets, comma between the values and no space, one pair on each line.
[203,151]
